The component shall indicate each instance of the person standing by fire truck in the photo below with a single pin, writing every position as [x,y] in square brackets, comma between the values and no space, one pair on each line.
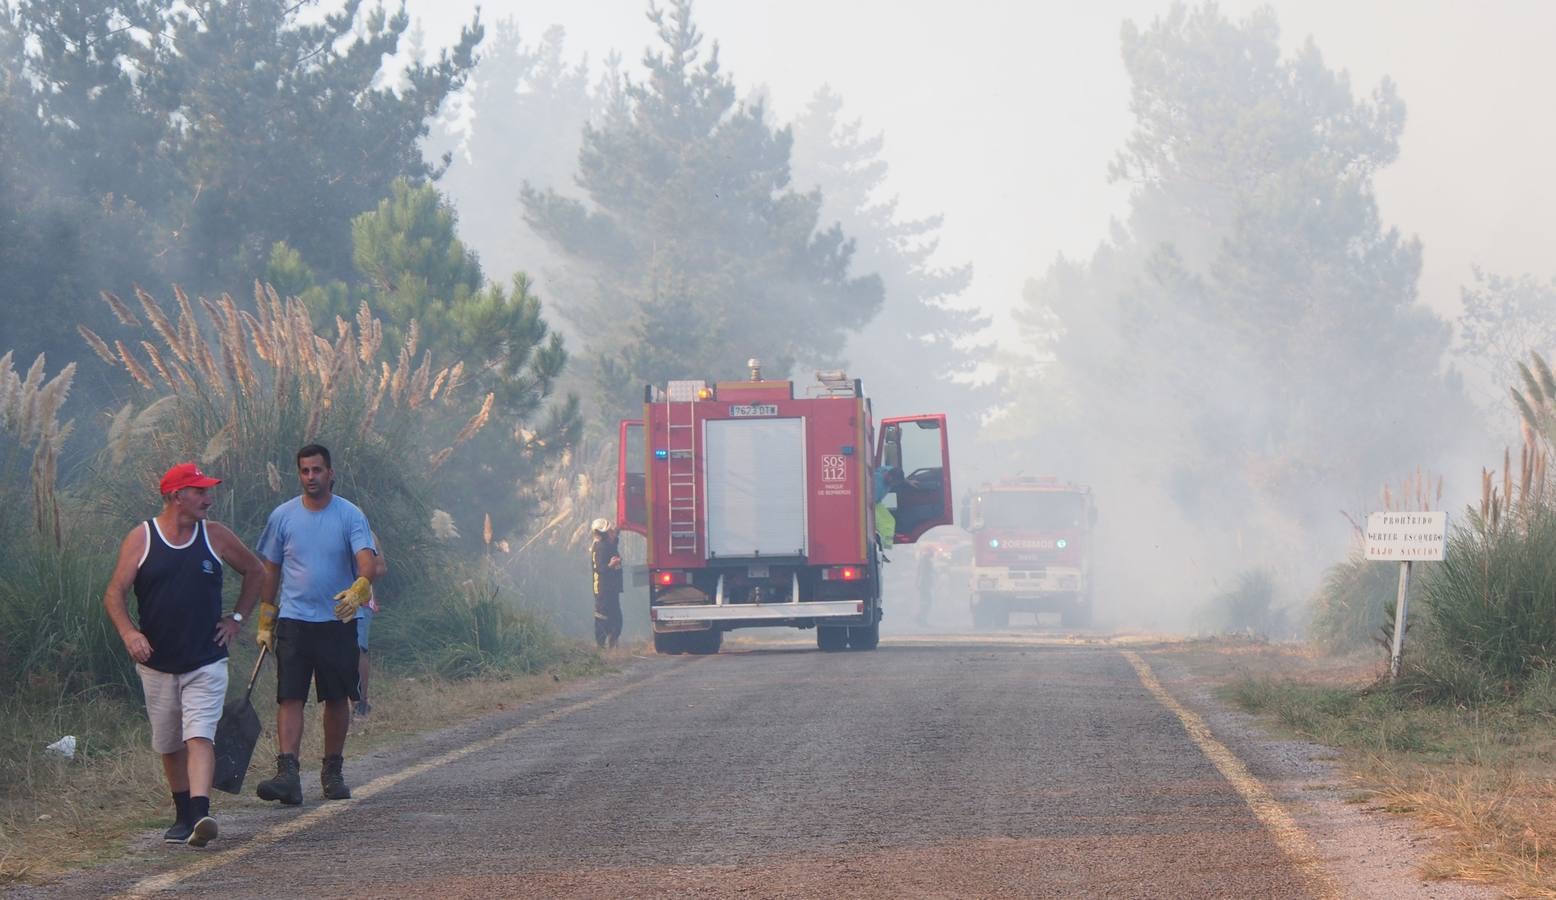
[605,559]
[924,578]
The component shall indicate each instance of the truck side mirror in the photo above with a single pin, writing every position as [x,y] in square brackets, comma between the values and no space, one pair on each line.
[891,447]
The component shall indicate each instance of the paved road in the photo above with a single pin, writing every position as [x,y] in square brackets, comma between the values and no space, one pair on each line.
[940,769]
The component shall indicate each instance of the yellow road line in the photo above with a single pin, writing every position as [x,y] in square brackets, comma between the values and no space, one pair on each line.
[1288,836]
[167,880]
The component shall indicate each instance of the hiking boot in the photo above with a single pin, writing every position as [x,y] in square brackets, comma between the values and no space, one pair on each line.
[179,833]
[333,780]
[203,832]
[287,785]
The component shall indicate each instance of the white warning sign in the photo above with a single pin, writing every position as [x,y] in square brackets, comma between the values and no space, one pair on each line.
[1405,536]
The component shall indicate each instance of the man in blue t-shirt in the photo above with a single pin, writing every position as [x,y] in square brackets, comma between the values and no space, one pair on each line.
[319,549]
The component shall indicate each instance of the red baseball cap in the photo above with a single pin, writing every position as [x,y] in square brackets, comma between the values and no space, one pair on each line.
[186,475]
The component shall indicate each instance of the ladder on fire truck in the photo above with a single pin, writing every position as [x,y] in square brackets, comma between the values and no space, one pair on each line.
[681,450]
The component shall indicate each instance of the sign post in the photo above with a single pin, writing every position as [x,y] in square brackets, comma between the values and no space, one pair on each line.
[1405,537]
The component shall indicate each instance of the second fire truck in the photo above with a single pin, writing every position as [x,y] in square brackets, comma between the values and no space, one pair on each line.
[1032,550]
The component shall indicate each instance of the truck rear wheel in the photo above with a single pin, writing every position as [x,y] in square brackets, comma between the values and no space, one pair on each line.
[988,614]
[864,637]
[831,639]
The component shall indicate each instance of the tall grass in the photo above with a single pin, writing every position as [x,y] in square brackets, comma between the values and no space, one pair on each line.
[1493,600]
[30,428]
[266,384]
[53,631]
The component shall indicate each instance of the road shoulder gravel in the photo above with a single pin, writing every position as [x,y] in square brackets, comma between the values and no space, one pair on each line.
[1367,853]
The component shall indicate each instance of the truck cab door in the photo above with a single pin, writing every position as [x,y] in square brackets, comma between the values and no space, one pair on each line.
[631,478]
[918,450]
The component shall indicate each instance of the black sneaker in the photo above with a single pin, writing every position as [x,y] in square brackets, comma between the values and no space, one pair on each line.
[203,833]
[286,785]
[333,780]
[179,833]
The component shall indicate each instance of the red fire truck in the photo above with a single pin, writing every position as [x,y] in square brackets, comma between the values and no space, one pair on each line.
[1032,550]
[758,505]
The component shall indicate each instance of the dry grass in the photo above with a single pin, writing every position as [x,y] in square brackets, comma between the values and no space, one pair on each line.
[29,417]
[65,815]
[247,386]
[1485,776]
[1500,817]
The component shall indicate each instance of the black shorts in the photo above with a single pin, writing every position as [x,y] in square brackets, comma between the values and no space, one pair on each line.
[324,653]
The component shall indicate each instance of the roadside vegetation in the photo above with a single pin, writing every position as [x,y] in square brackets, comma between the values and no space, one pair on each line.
[1465,737]
[1481,771]
[238,389]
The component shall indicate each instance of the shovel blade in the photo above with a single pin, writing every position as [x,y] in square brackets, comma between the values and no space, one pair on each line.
[236,734]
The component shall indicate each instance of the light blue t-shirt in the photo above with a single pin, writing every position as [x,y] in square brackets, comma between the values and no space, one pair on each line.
[317,554]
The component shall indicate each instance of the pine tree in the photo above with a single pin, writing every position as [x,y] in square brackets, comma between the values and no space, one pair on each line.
[290,132]
[693,253]
[231,124]
[412,266]
[922,353]
[524,114]
[1252,322]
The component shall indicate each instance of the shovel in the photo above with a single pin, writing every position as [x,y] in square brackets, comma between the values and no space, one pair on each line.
[236,735]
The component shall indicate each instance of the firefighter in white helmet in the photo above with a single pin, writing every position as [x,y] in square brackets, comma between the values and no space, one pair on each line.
[605,559]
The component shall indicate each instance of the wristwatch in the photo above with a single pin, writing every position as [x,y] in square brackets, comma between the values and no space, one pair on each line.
[237,617]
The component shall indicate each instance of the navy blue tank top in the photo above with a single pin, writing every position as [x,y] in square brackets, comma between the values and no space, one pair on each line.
[178,591]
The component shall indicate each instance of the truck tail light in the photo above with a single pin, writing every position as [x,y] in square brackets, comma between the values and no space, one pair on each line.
[842,573]
[666,577]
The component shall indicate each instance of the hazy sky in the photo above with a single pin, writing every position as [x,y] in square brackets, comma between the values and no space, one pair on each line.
[1004,115]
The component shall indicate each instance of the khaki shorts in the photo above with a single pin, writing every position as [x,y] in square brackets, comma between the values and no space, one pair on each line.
[183,707]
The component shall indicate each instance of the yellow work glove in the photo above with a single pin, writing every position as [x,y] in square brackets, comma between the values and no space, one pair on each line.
[267,626]
[352,599]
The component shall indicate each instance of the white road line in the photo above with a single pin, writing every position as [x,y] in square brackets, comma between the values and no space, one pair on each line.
[168,880]
[1288,836]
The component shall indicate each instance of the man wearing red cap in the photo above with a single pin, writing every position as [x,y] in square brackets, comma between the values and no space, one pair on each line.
[174,561]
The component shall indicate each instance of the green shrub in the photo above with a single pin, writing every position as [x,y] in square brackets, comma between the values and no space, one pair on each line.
[475,631]
[1538,696]
[1343,717]
[1248,607]
[1431,676]
[1492,602]
[1355,604]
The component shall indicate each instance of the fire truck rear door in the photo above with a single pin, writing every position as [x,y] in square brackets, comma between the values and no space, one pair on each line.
[756,487]
[918,448]
[631,478]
